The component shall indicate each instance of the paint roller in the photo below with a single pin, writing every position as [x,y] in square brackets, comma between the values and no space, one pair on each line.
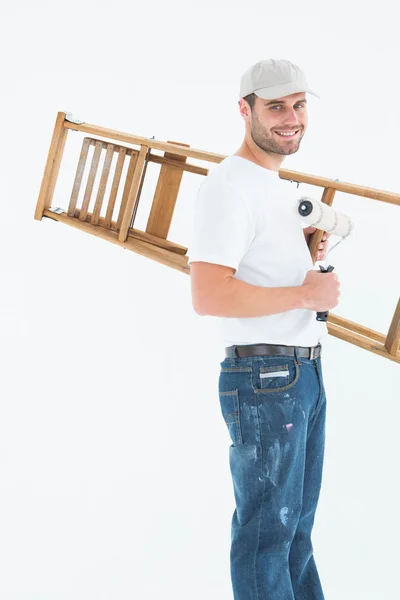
[324,217]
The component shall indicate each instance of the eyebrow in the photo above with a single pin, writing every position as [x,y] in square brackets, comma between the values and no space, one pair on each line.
[282,102]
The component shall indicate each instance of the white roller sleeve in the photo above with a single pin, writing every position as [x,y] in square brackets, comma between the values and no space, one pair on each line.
[326,218]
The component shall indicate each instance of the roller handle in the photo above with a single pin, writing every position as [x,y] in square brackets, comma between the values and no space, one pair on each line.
[323,316]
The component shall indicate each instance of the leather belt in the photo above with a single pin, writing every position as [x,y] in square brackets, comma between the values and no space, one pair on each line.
[309,352]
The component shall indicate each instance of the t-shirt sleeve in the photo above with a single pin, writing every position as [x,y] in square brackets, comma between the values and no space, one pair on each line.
[222,227]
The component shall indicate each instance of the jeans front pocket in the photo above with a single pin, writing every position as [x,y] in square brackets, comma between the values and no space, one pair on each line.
[276,375]
[230,409]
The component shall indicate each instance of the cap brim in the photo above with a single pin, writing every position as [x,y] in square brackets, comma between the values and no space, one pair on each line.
[280,91]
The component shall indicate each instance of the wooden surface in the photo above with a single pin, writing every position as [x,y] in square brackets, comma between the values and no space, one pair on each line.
[165,196]
[52,167]
[361,342]
[128,182]
[78,176]
[393,336]
[103,184]
[166,257]
[90,182]
[115,186]
[130,201]
[316,237]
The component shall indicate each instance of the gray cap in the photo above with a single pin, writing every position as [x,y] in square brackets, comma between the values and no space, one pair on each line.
[270,79]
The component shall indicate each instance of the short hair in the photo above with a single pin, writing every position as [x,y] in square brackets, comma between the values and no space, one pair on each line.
[251,100]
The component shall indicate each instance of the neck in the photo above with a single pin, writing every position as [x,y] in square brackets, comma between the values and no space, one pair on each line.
[253,153]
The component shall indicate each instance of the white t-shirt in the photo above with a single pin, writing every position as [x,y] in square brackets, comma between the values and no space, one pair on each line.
[245,217]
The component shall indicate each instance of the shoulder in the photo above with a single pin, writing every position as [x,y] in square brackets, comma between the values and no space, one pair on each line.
[221,180]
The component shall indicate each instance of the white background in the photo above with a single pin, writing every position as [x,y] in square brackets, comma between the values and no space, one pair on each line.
[114,474]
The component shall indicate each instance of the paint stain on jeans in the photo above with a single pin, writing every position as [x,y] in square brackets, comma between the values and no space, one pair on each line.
[273,462]
[283,515]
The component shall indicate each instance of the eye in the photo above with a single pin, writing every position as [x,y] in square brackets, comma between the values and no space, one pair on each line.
[300,105]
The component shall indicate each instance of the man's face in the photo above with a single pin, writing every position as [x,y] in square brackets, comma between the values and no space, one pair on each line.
[284,115]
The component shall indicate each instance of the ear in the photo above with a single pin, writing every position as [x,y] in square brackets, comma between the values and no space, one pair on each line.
[244,108]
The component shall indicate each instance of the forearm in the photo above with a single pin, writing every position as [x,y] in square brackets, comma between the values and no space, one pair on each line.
[236,298]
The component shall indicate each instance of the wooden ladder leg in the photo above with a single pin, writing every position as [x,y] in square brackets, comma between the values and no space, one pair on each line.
[393,336]
[316,237]
[52,166]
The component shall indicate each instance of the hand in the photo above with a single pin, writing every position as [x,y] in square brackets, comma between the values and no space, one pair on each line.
[321,291]
[322,246]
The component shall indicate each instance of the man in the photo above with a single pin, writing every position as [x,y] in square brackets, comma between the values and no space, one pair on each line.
[250,266]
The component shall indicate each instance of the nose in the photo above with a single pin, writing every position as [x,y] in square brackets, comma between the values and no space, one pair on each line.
[291,118]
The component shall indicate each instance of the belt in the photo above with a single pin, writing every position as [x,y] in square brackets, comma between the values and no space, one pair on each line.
[309,352]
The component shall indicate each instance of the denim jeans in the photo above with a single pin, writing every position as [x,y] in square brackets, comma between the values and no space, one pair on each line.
[274,408]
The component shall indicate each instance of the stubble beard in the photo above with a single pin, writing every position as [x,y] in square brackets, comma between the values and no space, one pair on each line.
[267,143]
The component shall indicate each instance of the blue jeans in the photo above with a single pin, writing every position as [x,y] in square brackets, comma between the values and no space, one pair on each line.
[274,408]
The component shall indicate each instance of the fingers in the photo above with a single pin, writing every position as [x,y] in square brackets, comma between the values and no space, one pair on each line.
[322,246]
[321,250]
[309,229]
[312,229]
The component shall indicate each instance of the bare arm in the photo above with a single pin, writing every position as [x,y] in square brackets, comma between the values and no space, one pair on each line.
[216,293]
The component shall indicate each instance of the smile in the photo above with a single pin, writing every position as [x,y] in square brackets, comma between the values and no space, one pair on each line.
[288,134]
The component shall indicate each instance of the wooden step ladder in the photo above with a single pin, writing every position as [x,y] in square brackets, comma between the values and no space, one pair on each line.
[117,226]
